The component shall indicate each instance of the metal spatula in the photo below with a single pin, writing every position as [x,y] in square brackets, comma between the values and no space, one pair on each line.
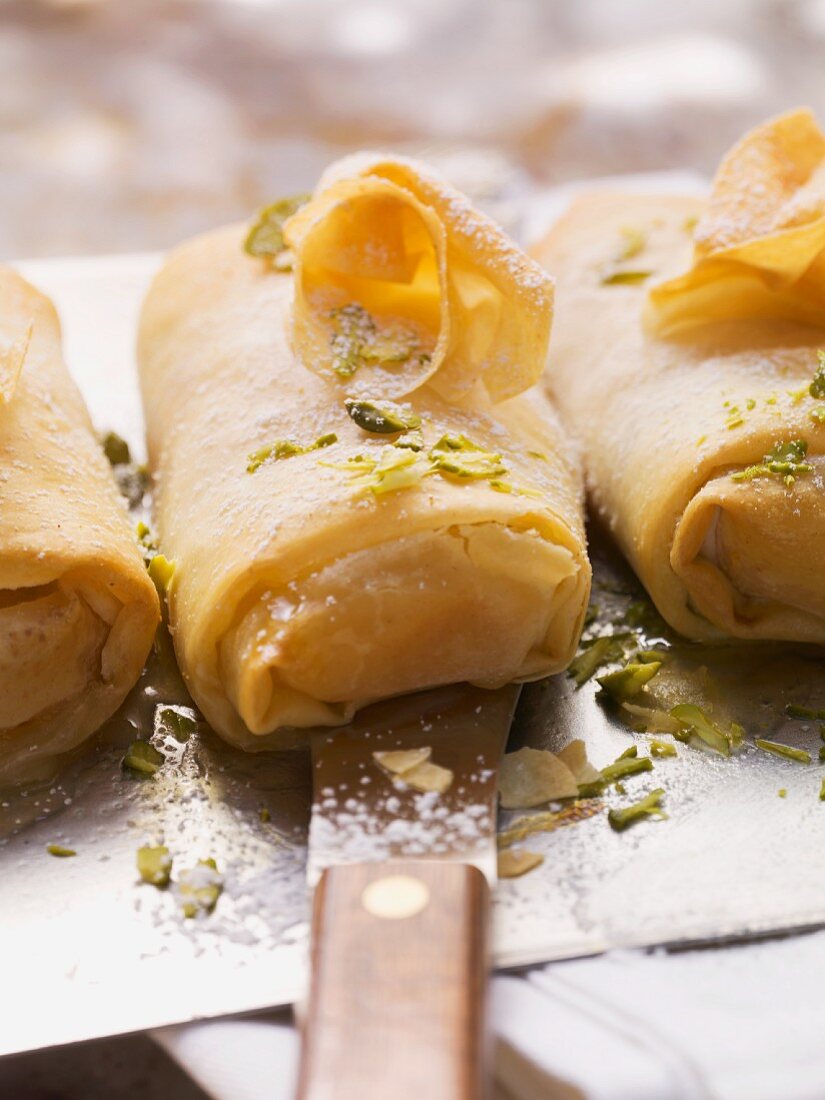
[399,938]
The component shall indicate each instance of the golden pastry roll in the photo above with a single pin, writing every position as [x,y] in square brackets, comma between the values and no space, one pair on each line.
[77,610]
[343,529]
[686,361]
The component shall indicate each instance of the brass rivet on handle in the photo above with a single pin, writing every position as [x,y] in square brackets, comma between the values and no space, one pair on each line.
[395,897]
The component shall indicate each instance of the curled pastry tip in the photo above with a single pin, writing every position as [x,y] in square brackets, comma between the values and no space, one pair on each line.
[760,245]
[401,282]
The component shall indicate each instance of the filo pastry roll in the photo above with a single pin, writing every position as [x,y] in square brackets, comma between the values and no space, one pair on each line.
[686,361]
[362,494]
[77,609]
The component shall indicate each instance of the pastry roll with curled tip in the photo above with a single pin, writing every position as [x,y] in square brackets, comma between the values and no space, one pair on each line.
[686,360]
[77,609]
[362,489]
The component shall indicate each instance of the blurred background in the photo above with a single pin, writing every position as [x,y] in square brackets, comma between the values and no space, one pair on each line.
[129,124]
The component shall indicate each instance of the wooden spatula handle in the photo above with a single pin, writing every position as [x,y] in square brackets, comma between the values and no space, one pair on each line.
[397,996]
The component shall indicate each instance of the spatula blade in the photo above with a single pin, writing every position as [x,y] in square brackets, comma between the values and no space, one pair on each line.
[360,814]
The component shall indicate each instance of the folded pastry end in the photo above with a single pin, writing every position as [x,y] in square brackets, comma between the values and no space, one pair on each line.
[745,551]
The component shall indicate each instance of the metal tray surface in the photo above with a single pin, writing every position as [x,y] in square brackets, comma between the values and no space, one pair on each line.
[91,951]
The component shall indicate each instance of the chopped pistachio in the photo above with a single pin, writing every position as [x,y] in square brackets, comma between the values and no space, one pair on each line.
[413,440]
[174,722]
[822,792]
[514,862]
[822,755]
[625,277]
[650,806]
[264,816]
[793,710]
[694,721]
[116,449]
[143,758]
[600,652]
[200,887]
[154,865]
[385,419]
[633,242]
[785,460]
[778,749]
[626,766]
[59,851]
[734,418]
[782,792]
[352,328]
[161,571]
[356,341]
[395,470]
[626,682]
[286,448]
[266,237]
[653,719]
[817,386]
[662,748]
[460,457]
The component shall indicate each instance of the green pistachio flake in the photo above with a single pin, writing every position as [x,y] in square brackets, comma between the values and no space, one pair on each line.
[59,851]
[169,720]
[413,441]
[600,652]
[266,237]
[799,755]
[793,710]
[286,448]
[782,792]
[200,887]
[626,682]
[633,242]
[785,460]
[651,806]
[356,341]
[460,457]
[154,865]
[735,418]
[822,755]
[662,748]
[822,792]
[817,386]
[161,571]
[625,278]
[385,419]
[143,758]
[394,469]
[625,767]
[264,815]
[116,449]
[695,722]
[631,750]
